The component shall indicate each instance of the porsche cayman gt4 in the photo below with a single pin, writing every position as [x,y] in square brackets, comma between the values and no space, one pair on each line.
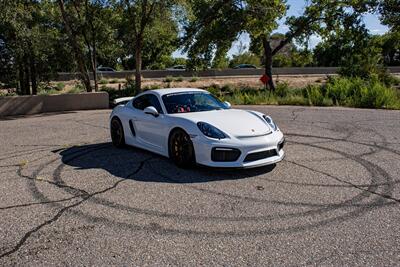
[191,126]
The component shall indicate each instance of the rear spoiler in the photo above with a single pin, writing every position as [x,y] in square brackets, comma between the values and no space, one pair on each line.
[122,100]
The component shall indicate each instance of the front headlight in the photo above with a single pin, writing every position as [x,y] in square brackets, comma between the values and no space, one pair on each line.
[210,131]
[270,122]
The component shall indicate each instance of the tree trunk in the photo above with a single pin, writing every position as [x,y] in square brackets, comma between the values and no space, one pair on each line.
[27,86]
[21,73]
[94,61]
[33,73]
[138,60]
[79,55]
[268,62]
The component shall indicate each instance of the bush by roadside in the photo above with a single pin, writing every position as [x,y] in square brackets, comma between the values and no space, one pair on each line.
[338,91]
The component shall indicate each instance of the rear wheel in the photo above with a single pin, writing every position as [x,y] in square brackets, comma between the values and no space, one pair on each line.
[181,150]
[117,133]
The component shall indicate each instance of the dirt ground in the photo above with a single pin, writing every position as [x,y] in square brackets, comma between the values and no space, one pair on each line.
[293,81]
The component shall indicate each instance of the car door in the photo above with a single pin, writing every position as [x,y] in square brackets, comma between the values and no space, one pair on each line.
[150,130]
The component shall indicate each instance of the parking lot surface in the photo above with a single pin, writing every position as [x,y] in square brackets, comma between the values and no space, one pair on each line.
[68,197]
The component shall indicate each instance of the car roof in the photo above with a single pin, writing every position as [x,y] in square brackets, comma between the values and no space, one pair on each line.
[166,91]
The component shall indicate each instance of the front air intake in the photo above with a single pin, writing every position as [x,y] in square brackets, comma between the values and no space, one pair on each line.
[221,154]
[260,155]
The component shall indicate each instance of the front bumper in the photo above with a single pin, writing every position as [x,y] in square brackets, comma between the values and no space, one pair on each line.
[203,147]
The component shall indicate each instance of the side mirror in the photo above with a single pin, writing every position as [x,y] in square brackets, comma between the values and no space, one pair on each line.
[227,104]
[151,110]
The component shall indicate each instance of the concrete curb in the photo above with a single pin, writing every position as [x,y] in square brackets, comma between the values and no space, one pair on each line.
[27,105]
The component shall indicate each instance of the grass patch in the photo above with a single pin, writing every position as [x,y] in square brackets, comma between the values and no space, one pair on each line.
[194,79]
[338,91]
[51,91]
[168,79]
[179,79]
[103,81]
[60,86]
[127,90]
[7,94]
[78,88]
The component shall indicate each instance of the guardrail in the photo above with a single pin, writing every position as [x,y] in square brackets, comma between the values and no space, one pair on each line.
[156,74]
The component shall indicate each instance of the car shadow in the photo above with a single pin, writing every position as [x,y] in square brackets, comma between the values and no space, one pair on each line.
[140,165]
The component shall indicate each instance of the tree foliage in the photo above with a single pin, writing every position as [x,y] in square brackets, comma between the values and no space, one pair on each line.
[39,38]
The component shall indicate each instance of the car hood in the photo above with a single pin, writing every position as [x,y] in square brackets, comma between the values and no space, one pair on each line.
[234,122]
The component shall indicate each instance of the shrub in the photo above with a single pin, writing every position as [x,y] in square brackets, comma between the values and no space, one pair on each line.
[7,94]
[103,81]
[127,90]
[314,95]
[214,89]
[78,88]
[194,79]
[51,91]
[168,79]
[282,89]
[60,86]
[151,87]
[296,100]
[179,79]
[357,92]
[114,81]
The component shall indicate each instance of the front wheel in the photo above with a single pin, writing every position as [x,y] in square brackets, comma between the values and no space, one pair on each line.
[181,150]
[117,133]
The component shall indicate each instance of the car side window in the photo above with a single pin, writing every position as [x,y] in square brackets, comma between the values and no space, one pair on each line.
[153,100]
[145,101]
[140,102]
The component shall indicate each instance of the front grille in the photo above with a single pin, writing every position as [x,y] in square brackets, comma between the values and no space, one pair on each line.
[220,154]
[260,155]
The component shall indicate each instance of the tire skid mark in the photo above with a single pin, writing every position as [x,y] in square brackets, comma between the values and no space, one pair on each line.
[375,203]
[347,204]
[345,140]
[39,203]
[64,209]
[348,183]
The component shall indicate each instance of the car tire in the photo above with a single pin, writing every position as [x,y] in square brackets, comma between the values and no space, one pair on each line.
[117,133]
[181,150]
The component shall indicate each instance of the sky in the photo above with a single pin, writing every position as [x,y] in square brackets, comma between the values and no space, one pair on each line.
[296,8]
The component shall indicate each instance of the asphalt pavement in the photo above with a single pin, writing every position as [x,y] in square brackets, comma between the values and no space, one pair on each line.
[68,197]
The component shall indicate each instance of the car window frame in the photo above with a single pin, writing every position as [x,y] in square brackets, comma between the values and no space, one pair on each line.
[160,106]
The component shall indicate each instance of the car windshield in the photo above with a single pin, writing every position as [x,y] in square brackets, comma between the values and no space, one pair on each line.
[191,102]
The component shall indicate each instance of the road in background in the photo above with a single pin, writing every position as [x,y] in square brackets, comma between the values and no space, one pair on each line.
[150,74]
[68,197]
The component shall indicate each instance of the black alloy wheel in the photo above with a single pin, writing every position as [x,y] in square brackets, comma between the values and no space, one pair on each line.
[181,149]
[117,133]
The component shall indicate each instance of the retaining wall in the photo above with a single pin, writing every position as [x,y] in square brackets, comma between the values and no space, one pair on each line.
[26,105]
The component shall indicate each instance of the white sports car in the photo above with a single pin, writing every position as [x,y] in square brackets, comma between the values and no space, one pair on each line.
[192,126]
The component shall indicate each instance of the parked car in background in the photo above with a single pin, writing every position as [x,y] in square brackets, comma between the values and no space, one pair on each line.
[245,66]
[105,69]
[177,68]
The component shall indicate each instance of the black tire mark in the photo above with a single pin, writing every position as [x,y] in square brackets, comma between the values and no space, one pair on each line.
[362,195]
[64,209]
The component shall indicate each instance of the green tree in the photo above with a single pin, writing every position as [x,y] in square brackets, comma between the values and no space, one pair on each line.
[245,58]
[140,18]
[29,45]
[160,39]
[390,45]
[390,13]
[87,24]
[217,24]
